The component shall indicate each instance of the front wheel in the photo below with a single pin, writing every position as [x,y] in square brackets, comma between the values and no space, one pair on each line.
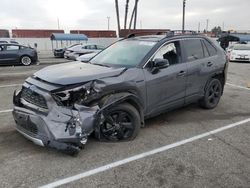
[121,123]
[212,94]
[26,60]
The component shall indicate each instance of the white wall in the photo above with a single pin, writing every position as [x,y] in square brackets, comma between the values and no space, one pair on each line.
[44,44]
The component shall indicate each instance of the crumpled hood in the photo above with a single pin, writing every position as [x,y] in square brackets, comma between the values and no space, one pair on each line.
[75,72]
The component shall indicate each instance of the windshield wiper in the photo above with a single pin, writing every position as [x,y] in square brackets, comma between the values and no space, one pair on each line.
[100,64]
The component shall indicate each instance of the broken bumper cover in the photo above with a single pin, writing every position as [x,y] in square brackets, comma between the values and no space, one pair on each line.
[59,128]
[31,126]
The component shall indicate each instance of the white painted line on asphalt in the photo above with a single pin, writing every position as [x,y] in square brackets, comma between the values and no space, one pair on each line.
[140,156]
[10,85]
[5,111]
[17,73]
[241,87]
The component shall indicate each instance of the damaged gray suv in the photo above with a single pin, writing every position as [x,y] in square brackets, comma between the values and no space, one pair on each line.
[133,79]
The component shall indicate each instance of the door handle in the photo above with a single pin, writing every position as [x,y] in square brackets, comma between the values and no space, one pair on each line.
[181,73]
[209,64]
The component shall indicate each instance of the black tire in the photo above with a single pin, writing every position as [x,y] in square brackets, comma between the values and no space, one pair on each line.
[25,60]
[212,95]
[121,123]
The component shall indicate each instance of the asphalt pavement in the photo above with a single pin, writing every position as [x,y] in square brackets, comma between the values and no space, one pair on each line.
[220,159]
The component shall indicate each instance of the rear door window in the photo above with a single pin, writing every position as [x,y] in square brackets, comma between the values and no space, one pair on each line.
[90,47]
[193,49]
[100,47]
[12,47]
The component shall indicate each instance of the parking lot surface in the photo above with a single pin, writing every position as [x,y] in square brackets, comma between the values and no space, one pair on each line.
[217,160]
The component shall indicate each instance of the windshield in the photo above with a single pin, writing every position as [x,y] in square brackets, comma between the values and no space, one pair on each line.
[73,45]
[242,47]
[127,53]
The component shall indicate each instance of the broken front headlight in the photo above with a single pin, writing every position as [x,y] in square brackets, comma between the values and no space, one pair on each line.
[78,94]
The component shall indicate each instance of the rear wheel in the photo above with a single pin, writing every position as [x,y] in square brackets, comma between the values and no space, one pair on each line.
[212,94]
[122,123]
[25,60]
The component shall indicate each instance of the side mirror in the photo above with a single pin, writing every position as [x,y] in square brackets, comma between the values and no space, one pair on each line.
[159,64]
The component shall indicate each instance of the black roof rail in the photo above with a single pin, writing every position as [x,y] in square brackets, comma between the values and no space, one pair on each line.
[131,35]
[168,33]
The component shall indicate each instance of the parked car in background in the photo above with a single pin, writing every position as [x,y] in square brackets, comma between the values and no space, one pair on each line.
[17,54]
[86,57]
[84,49]
[59,52]
[11,42]
[133,79]
[71,49]
[239,52]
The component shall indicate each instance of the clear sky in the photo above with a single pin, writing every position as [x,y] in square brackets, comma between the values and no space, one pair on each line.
[92,14]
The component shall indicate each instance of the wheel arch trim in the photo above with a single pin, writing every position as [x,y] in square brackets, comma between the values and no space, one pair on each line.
[117,98]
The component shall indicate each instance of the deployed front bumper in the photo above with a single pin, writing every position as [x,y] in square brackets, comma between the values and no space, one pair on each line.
[60,127]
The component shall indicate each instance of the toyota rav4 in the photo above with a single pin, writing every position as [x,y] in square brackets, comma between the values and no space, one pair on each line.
[133,79]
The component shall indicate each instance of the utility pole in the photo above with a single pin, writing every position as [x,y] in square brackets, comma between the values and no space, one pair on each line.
[183,15]
[108,17]
[126,14]
[207,25]
[131,19]
[199,27]
[135,19]
[58,24]
[223,26]
[118,17]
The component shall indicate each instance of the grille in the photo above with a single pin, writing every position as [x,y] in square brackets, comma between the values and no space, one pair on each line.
[60,50]
[34,98]
[30,127]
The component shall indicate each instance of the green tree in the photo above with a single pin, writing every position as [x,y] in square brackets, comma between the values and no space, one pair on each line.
[217,31]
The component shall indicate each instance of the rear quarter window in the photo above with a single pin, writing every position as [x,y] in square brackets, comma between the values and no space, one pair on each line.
[23,47]
[211,49]
[193,49]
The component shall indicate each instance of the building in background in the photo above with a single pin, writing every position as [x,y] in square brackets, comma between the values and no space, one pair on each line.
[96,33]
[34,33]
[40,38]
[4,33]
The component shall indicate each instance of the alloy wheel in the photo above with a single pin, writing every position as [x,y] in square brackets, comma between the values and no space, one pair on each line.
[118,125]
[26,60]
[214,93]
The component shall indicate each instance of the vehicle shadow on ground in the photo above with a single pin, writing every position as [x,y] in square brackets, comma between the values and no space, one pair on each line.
[183,115]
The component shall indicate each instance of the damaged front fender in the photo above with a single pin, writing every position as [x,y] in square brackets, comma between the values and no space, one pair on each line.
[110,101]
